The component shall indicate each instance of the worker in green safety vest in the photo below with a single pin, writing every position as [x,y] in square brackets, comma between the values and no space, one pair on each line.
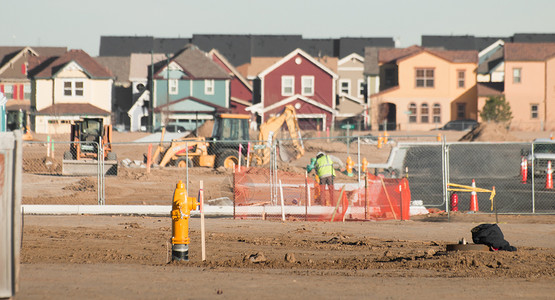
[323,165]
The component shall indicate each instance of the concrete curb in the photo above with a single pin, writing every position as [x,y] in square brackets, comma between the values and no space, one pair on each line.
[162,210]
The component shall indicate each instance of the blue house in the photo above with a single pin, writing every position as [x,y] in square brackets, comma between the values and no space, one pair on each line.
[188,89]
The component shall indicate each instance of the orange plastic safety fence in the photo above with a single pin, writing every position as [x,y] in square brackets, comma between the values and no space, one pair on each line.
[288,195]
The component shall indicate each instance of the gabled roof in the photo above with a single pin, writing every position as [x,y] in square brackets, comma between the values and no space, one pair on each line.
[494,59]
[217,108]
[459,42]
[64,109]
[486,89]
[293,54]
[529,51]
[228,65]
[257,65]
[118,65]
[9,55]
[348,45]
[257,108]
[92,67]
[455,56]
[349,57]
[197,64]
[139,64]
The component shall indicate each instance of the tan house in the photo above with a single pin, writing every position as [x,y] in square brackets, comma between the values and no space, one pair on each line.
[420,88]
[67,88]
[530,85]
[351,90]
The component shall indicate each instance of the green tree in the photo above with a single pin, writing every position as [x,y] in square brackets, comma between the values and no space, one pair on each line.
[496,109]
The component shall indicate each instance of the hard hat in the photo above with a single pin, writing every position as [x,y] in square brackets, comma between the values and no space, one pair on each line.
[320,154]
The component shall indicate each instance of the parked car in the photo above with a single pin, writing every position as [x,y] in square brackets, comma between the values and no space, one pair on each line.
[172,128]
[543,152]
[459,125]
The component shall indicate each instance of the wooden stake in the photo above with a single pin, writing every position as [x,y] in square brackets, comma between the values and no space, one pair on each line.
[202,234]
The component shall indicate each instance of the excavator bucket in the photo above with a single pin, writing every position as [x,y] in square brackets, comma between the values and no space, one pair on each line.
[88,167]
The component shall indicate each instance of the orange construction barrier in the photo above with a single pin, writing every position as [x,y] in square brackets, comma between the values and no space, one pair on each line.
[473,198]
[549,176]
[524,169]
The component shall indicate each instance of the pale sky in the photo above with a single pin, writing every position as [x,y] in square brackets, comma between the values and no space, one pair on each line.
[80,24]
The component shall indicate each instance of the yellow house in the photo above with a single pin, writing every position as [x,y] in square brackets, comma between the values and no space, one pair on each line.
[68,88]
[421,89]
[530,85]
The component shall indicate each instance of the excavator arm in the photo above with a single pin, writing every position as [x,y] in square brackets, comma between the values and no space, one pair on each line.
[270,127]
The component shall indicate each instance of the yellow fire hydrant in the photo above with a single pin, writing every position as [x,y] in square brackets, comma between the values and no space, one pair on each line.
[181,210]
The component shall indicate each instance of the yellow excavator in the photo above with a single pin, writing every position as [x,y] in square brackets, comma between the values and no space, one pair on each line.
[268,132]
[222,148]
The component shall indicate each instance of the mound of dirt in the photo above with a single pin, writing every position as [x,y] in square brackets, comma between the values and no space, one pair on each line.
[489,132]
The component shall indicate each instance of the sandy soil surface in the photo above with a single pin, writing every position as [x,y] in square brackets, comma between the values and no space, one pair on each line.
[115,257]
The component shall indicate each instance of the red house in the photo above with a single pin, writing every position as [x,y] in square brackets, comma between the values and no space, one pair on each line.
[302,81]
[240,90]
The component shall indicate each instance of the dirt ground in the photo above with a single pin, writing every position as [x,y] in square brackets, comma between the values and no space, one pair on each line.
[127,257]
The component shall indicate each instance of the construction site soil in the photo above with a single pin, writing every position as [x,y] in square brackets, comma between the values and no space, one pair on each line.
[128,257]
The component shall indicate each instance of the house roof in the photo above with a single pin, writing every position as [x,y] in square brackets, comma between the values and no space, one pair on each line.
[197,64]
[486,89]
[9,55]
[349,57]
[140,62]
[456,56]
[236,73]
[257,65]
[529,51]
[459,42]
[371,65]
[118,65]
[533,38]
[492,61]
[348,45]
[293,54]
[62,109]
[217,108]
[92,67]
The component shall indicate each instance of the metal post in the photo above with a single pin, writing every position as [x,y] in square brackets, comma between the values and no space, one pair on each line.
[533,181]
[358,159]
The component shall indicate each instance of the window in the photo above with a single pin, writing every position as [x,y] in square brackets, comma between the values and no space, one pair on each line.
[307,85]
[27,91]
[424,113]
[412,113]
[517,75]
[73,88]
[534,111]
[345,86]
[8,91]
[361,88]
[425,78]
[460,78]
[287,85]
[173,86]
[437,113]
[209,86]
[461,110]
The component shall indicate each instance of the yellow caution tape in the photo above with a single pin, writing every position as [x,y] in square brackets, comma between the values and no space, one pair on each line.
[466,188]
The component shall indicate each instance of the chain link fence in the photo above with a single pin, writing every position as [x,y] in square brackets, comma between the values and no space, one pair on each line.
[145,173]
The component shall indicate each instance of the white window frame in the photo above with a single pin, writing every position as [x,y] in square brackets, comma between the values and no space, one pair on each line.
[209,87]
[307,86]
[73,89]
[173,86]
[285,85]
[348,81]
[517,75]
[360,84]
[534,113]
